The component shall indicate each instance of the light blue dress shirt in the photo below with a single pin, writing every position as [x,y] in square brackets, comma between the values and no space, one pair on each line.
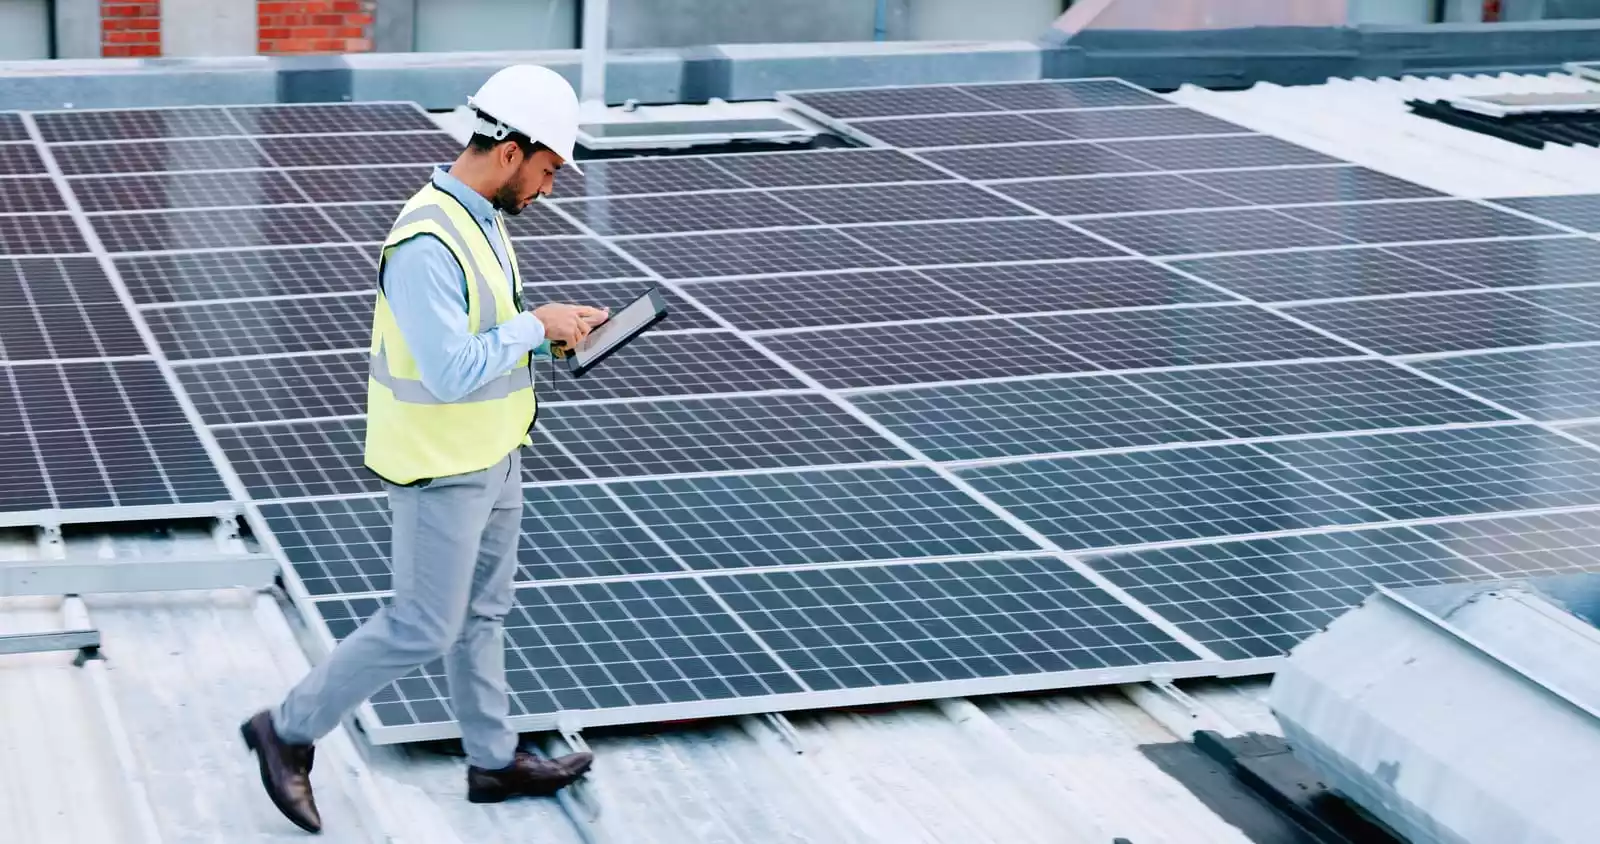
[427,292]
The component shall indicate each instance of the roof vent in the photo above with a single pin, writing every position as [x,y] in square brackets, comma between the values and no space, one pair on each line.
[1532,120]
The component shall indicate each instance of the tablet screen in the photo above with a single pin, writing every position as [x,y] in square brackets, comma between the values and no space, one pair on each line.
[619,328]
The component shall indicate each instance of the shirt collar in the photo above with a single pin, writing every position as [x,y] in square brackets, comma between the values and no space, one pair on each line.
[480,208]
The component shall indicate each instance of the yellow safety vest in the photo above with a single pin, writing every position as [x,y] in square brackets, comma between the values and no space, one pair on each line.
[411,435]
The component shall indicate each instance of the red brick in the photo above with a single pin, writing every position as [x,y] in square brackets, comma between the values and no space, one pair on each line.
[327,20]
[350,32]
[274,33]
[133,38]
[361,45]
[130,24]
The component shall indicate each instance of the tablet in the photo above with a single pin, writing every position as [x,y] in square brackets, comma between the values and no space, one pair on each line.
[623,325]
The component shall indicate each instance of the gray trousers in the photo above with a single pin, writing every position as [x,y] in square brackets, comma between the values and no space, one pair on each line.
[454,554]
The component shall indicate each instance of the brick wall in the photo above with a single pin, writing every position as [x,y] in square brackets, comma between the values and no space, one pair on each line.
[314,26]
[130,28]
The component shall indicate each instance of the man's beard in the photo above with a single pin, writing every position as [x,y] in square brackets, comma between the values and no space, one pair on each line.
[508,199]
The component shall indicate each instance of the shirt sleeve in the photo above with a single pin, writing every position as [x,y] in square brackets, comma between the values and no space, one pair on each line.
[427,292]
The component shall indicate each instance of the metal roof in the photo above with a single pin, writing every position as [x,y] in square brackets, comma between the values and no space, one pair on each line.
[144,747]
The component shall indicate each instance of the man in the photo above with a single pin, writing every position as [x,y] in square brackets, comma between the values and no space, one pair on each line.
[450,403]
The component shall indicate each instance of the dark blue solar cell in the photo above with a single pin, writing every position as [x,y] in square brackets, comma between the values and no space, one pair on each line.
[1109,500]
[1545,384]
[1259,598]
[1017,418]
[1448,323]
[816,517]
[1320,397]
[1525,546]
[877,626]
[1452,473]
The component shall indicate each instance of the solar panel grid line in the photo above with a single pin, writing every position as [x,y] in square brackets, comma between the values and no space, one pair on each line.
[1068,140]
[302,201]
[230,490]
[1431,294]
[990,316]
[1169,171]
[376,134]
[992,507]
[295,184]
[1279,311]
[1423,357]
[1223,440]
[1263,206]
[1392,244]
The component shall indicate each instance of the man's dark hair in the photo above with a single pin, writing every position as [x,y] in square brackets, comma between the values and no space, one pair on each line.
[480,143]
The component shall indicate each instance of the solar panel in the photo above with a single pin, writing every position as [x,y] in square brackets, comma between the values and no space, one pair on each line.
[1525,546]
[196,276]
[1545,384]
[156,191]
[341,545]
[335,150]
[705,531]
[31,195]
[1315,398]
[795,301]
[57,127]
[713,434]
[1321,274]
[595,646]
[1510,263]
[1206,232]
[12,128]
[686,213]
[873,626]
[823,516]
[52,332]
[98,435]
[885,355]
[325,118]
[1035,161]
[1451,322]
[987,420]
[1063,93]
[1102,501]
[574,259]
[321,458]
[621,177]
[40,234]
[1398,222]
[1183,337]
[981,242]
[1080,285]
[1071,197]
[1451,472]
[159,156]
[754,253]
[271,327]
[19,159]
[368,223]
[1305,185]
[827,167]
[614,295]
[359,184]
[899,203]
[1218,153]
[63,280]
[891,102]
[676,365]
[1168,121]
[1261,597]
[239,392]
[1581,211]
[960,130]
[163,231]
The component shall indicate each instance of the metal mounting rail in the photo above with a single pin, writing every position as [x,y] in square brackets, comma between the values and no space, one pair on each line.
[86,641]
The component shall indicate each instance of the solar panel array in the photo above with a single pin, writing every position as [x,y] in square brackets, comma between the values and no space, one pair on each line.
[1053,384]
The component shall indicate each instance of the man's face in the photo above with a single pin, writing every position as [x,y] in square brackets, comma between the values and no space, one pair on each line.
[526,177]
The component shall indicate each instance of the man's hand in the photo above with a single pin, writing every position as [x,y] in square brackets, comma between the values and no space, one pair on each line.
[569,324]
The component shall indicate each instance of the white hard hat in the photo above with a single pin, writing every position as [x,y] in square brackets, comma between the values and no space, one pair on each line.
[533,100]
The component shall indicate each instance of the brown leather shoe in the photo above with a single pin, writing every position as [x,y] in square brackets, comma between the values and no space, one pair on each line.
[285,771]
[527,775]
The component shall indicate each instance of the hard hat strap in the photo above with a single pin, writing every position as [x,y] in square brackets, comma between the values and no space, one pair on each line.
[493,128]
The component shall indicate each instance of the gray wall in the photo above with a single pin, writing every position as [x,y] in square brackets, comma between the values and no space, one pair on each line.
[24,29]
[208,28]
[684,23]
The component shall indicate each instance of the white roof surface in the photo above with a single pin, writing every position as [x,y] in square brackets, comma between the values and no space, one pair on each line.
[144,747]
